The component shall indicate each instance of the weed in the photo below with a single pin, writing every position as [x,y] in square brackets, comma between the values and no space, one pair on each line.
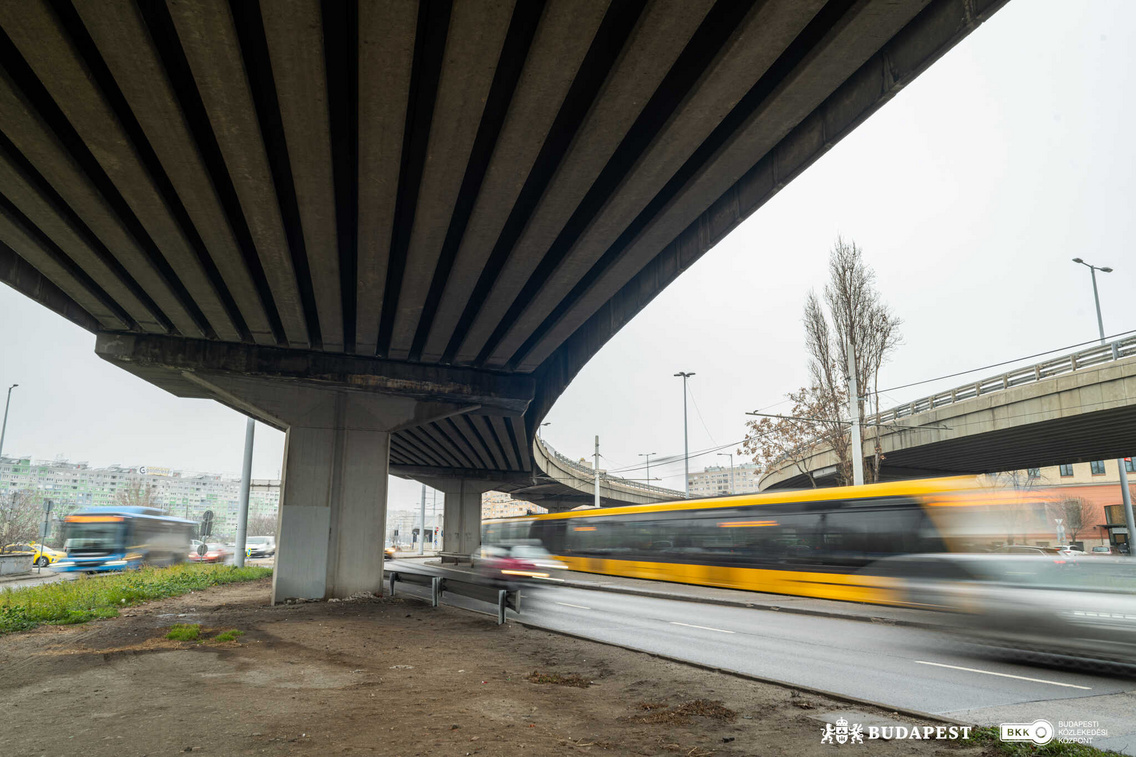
[69,602]
[230,635]
[184,632]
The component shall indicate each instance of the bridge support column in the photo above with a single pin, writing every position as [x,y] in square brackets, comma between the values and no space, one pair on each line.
[461,524]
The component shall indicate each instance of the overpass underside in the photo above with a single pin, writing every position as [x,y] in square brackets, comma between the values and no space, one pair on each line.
[397,230]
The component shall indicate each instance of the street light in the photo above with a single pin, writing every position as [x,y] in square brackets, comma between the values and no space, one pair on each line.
[685,438]
[648,456]
[731,456]
[4,427]
[541,426]
[1126,495]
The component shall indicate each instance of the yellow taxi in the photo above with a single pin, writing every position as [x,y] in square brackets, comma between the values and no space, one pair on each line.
[46,557]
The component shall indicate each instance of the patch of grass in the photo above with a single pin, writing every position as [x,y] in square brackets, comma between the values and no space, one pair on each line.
[184,632]
[231,635]
[87,598]
[989,736]
[572,679]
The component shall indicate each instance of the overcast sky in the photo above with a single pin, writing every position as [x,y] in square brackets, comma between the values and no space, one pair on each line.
[969,193]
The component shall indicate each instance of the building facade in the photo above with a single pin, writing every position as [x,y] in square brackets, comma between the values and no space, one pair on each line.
[719,481]
[501,505]
[72,486]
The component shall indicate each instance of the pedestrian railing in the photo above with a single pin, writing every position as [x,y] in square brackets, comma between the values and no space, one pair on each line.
[1094,356]
[504,599]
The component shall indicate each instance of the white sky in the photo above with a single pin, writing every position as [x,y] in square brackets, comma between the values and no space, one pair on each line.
[970,192]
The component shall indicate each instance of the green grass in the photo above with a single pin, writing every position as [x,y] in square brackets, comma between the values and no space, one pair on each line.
[230,635]
[184,632]
[87,598]
[1052,749]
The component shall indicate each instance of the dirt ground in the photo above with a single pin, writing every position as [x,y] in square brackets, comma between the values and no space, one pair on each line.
[382,676]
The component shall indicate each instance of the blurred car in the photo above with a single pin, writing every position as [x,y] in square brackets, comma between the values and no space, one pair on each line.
[513,564]
[209,553]
[1026,549]
[1081,609]
[260,546]
[389,553]
[1101,551]
[41,556]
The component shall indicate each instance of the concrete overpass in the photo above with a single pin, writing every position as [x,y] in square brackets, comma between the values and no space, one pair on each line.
[398,229]
[1070,409]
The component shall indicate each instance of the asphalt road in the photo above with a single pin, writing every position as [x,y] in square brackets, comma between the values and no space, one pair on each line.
[898,666]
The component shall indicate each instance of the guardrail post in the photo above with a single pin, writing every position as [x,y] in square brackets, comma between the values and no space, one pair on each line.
[1115,351]
[435,591]
[1072,362]
[393,578]
[502,596]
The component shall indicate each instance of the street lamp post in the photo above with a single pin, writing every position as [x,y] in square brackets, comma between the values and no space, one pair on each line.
[731,456]
[4,427]
[648,456]
[541,426]
[1126,495]
[685,438]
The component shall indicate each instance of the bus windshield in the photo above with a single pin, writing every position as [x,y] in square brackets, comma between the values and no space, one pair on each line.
[80,538]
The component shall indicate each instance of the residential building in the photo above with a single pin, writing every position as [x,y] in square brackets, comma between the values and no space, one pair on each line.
[718,481]
[502,505]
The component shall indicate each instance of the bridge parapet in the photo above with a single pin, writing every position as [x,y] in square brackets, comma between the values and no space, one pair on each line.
[613,490]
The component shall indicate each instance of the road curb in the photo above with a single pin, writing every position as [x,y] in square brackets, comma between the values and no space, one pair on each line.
[742,603]
[760,679]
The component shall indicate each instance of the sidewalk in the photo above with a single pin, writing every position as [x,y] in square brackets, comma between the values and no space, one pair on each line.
[899,616]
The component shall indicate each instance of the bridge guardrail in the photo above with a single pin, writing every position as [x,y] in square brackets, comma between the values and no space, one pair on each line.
[1094,356]
[504,599]
[610,480]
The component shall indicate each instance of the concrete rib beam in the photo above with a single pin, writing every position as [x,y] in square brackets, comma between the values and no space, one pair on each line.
[36,142]
[386,53]
[295,43]
[473,46]
[755,46]
[36,31]
[553,61]
[656,42]
[209,39]
[857,38]
[126,46]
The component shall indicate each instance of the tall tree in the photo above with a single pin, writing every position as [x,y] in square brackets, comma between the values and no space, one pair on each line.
[850,311]
[21,512]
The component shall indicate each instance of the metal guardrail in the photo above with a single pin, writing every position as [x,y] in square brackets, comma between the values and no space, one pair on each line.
[504,599]
[1094,356]
[605,478]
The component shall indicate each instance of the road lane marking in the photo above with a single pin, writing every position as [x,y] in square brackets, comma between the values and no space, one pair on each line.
[578,607]
[1004,675]
[704,628]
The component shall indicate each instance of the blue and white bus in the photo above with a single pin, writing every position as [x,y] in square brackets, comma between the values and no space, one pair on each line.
[103,539]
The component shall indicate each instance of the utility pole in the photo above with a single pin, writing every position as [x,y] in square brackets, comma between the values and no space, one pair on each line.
[1125,493]
[648,456]
[857,452]
[422,531]
[731,456]
[4,426]
[596,470]
[685,439]
[243,507]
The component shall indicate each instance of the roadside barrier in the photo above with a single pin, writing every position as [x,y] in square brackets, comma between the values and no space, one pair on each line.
[504,599]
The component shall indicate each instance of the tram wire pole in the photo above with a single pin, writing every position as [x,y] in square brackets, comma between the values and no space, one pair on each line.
[685,439]
[857,451]
[243,504]
[596,470]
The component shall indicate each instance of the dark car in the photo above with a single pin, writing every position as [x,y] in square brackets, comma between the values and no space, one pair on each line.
[260,546]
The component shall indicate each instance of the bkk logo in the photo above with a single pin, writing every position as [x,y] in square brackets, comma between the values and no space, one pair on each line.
[1039,732]
[843,733]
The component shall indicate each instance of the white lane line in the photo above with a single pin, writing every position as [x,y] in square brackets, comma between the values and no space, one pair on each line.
[704,628]
[578,607]
[1004,675]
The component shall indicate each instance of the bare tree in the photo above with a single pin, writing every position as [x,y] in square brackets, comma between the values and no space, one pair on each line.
[138,494]
[851,312]
[1078,514]
[20,515]
[793,439]
[261,524]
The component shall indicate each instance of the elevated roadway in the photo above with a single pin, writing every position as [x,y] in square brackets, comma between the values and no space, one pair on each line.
[397,230]
[1075,408]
